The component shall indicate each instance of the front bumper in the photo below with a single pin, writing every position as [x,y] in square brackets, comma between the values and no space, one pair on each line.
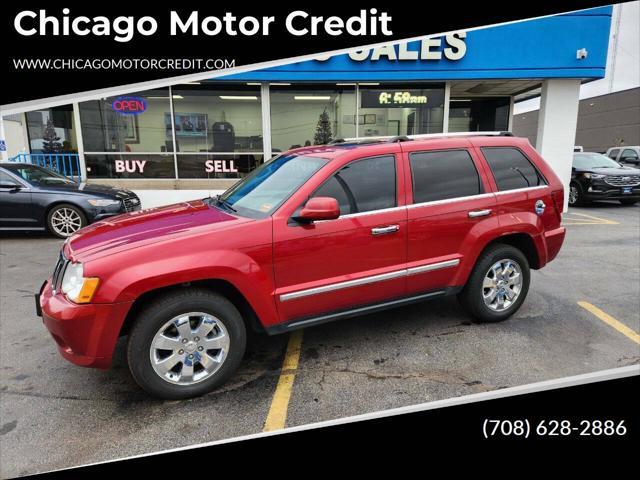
[100,213]
[86,334]
[599,190]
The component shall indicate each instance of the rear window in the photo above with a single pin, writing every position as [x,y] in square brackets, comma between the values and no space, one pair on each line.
[511,169]
[442,175]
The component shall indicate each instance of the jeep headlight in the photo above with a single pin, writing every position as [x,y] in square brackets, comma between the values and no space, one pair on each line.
[75,286]
[103,202]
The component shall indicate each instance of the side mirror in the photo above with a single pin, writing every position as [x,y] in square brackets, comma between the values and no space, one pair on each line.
[10,186]
[319,208]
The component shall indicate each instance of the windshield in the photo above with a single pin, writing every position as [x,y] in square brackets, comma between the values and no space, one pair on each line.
[593,160]
[266,188]
[37,175]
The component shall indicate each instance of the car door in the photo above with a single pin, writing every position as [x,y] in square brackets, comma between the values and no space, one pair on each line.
[15,203]
[354,260]
[449,206]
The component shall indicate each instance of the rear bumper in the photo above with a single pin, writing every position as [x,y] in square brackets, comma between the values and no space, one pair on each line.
[85,334]
[554,240]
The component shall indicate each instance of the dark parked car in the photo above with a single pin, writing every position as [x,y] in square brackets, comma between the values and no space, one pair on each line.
[36,198]
[596,177]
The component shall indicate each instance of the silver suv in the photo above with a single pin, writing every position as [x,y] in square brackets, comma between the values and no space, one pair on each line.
[625,155]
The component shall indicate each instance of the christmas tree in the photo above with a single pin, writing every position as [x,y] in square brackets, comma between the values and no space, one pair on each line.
[323,133]
[50,139]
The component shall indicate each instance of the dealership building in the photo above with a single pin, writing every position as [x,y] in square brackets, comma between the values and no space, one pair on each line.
[177,141]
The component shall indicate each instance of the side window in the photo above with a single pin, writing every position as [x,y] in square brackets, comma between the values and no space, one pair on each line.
[443,174]
[363,186]
[511,169]
[614,153]
[629,153]
[5,178]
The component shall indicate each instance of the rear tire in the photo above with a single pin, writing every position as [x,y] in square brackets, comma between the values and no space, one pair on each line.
[185,344]
[497,285]
[628,201]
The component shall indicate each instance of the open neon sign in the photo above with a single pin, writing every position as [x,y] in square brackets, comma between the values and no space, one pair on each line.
[129,105]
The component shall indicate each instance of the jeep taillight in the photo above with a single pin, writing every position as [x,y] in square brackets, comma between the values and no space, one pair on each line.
[558,202]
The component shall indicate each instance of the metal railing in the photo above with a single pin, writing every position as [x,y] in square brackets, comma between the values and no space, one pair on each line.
[67,164]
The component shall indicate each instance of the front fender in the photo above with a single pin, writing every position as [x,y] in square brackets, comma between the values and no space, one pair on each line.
[249,272]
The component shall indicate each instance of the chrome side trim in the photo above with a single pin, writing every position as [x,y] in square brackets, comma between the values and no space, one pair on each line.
[367,280]
[433,266]
[525,189]
[340,285]
[353,312]
[450,200]
[371,212]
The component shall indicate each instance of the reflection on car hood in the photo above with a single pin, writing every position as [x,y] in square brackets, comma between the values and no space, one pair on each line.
[89,189]
[148,226]
[615,171]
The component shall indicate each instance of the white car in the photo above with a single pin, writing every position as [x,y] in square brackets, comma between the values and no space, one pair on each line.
[625,154]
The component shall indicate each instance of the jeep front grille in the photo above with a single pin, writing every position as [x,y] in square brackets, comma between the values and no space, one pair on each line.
[58,272]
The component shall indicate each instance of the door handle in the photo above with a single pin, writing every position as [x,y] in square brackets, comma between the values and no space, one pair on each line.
[479,213]
[385,230]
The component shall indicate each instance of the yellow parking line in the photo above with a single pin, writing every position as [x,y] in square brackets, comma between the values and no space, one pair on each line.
[277,415]
[598,220]
[582,223]
[612,322]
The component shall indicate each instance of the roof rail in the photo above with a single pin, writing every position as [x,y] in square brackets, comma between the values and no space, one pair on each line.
[405,138]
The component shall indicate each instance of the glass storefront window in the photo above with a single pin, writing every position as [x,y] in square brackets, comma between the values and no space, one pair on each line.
[52,130]
[402,109]
[128,123]
[218,126]
[216,165]
[121,165]
[217,118]
[479,114]
[306,115]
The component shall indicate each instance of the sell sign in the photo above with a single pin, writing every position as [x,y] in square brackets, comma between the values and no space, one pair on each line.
[129,105]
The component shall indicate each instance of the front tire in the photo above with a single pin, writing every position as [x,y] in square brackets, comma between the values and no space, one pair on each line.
[497,285]
[576,197]
[185,344]
[64,220]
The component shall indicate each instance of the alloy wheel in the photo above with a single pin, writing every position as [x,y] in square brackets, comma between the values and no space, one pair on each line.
[65,221]
[573,195]
[502,285]
[189,348]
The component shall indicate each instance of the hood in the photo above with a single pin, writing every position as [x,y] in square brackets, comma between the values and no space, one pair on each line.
[615,171]
[144,227]
[89,189]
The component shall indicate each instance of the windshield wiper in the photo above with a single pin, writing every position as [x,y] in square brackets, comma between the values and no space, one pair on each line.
[224,203]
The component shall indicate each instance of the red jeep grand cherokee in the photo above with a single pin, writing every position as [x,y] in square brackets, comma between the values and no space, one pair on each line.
[314,235]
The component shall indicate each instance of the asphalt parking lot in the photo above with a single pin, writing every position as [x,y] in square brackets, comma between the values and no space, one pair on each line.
[54,415]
